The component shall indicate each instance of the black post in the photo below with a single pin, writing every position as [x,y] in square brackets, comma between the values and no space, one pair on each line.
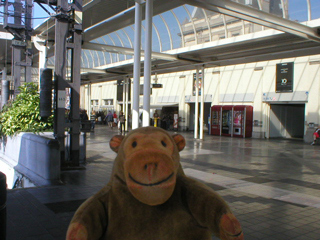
[3,206]
[46,92]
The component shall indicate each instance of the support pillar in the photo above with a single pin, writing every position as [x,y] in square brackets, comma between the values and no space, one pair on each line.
[42,48]
[136,66]
[196,114]
[147,63]
[61,34]
[16,68]
[5,88]
[75,83]
[202,103]
[127,82]
[125,98]
[28,31]
[63,30]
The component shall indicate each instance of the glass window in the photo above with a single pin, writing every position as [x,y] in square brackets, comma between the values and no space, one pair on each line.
[163,32]
[297,10]
[124,38]
[315,9]
[186,25]
[88,56]
[115,39]
[173,28]
[155,39]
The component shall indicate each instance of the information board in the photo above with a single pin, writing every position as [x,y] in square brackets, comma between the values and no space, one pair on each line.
[284,77]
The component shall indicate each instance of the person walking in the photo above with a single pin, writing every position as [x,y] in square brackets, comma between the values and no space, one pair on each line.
[115,119]
[315,135]
[122,121]
[93,117]
[109,119]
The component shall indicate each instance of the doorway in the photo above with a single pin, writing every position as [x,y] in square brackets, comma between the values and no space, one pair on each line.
[287,120]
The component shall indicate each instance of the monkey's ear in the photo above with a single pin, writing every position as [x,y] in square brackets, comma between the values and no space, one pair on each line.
[115,142]
[180,141]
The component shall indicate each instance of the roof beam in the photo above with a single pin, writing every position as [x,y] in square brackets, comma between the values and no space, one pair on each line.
[125,18]
[85,70]
[126,51]
[130,51]
[250,14]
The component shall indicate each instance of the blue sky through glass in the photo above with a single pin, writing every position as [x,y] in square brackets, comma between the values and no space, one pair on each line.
[298,10]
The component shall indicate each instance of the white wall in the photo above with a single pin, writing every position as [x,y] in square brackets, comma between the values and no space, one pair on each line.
[244,84]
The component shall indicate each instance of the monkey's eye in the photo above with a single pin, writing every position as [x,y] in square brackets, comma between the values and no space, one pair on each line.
[163,143]
[134,144]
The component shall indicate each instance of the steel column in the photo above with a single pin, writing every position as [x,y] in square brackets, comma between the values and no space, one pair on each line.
[147,64]
[28,31]
[136,66]
[60,48]
[127,83]
[202,103]
[76,80]
[16,68]
[5,88]
[196,108]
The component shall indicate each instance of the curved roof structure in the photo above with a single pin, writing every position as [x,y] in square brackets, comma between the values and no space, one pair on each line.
[190,32]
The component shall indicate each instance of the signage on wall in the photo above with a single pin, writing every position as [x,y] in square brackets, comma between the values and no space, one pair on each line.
[194,83]
[120,88]
[156,85]
[284,77]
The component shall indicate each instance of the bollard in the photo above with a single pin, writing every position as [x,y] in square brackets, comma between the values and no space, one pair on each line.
[3,207]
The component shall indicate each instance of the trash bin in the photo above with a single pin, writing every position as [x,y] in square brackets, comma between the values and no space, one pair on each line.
[3,206]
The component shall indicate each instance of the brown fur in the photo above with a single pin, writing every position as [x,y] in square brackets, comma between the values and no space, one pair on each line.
[149,196]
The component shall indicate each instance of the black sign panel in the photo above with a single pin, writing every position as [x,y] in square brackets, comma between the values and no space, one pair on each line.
[284,77]
[156,85]
[120,90]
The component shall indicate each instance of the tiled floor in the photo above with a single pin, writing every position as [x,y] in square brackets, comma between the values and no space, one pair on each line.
[272,186]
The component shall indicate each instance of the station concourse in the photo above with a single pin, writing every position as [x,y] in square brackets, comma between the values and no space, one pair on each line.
[272,186]
[197,54]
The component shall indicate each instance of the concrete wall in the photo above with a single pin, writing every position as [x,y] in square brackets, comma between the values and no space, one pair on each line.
[36,157]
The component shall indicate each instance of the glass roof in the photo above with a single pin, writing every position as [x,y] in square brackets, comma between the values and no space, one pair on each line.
[188,25]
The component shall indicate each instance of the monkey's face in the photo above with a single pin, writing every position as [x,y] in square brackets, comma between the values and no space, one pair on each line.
[150,165]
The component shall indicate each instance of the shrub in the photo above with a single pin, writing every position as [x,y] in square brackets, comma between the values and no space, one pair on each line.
[23,113]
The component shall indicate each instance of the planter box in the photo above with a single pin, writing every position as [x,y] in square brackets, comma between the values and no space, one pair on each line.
[34,156]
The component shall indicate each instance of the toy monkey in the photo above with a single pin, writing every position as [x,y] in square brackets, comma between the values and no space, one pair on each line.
[149,197]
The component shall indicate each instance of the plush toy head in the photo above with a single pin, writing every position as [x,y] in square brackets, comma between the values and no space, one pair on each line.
[148,161]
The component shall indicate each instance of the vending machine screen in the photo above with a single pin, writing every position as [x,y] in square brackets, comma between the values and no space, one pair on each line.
[226,121]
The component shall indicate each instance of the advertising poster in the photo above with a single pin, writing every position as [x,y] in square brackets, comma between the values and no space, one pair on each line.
[194,83]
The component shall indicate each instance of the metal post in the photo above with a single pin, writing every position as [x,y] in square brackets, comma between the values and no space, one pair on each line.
[5,89]
[16,68]
[124,91]
[202,103]
[127,82]
[136,66]
[89,98]
[28,31]
[42,48]
[147,63]
[196,113]
[61,34]
[76,80]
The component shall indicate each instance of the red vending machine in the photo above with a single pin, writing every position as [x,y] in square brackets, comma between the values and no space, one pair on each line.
[227,120]
[216,120]
[242,121]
